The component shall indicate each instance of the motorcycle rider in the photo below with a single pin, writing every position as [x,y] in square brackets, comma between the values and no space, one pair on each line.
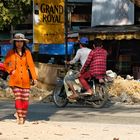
[82,55]
[96,65]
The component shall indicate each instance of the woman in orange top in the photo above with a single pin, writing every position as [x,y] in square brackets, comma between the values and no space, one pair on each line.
[17,62]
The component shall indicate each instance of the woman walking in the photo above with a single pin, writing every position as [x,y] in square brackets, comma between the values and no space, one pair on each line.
[17,62]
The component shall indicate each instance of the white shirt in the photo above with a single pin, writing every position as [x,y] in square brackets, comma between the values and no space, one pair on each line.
[82,55]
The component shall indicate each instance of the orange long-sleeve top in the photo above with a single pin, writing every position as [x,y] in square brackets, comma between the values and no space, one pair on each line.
[20,64]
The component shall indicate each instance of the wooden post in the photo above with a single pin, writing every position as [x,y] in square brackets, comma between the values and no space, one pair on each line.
[66,30]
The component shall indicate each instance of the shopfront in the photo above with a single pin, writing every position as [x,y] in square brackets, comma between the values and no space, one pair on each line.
[122,44]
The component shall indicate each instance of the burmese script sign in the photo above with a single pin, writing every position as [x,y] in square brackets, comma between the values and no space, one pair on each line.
[48,21]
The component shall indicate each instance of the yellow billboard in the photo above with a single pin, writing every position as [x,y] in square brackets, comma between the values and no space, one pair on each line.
[48,21]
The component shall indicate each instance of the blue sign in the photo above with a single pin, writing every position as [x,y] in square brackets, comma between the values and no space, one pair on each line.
[6,47]
[56,49]
[30,46]
[50,49]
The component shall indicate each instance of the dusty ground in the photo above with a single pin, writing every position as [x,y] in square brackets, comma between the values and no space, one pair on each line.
[48,130]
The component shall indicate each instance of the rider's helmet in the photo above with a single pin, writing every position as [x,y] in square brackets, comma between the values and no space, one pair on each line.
[84,40]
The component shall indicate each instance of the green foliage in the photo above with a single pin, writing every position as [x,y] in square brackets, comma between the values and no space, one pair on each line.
[13,12]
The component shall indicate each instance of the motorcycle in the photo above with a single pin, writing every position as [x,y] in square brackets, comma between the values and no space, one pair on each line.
[61,92]
[3,76]
[3,73]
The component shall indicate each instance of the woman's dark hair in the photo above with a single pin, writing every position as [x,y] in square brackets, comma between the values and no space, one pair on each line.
[25,47]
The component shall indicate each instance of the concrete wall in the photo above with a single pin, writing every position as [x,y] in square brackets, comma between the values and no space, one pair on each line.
[112,12]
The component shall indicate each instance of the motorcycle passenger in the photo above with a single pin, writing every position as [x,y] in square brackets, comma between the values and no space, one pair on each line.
[81,55]
[96,65]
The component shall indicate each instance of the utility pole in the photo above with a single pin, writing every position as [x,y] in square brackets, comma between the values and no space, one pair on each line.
[12,31]
[66,30]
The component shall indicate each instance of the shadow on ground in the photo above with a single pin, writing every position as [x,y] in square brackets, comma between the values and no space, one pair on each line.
[40,111]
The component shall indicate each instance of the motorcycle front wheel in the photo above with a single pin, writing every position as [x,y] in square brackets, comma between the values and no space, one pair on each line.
[101,96]
[59,96]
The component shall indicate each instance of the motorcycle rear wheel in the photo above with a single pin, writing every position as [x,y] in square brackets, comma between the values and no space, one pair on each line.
[102,95]
[59,96]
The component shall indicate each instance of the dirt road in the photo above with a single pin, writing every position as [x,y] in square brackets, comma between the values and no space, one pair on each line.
[46,122]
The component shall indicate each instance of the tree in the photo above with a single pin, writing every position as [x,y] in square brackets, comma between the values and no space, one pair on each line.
[14,12]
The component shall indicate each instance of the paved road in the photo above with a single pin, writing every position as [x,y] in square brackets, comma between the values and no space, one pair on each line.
[113,114]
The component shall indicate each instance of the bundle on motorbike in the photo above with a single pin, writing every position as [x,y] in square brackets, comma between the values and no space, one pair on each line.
[61,91]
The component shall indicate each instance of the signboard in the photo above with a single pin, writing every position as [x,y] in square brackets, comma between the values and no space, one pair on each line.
[48,21]
[112,12]
[56,49]
[6,47]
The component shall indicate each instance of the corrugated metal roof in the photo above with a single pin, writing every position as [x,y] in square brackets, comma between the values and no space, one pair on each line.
[81,1]
[112,32]
[111,29]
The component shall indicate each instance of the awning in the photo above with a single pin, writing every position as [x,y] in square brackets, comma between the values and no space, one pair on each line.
[5,36]
[137,2]
[81,1]
[112,32]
